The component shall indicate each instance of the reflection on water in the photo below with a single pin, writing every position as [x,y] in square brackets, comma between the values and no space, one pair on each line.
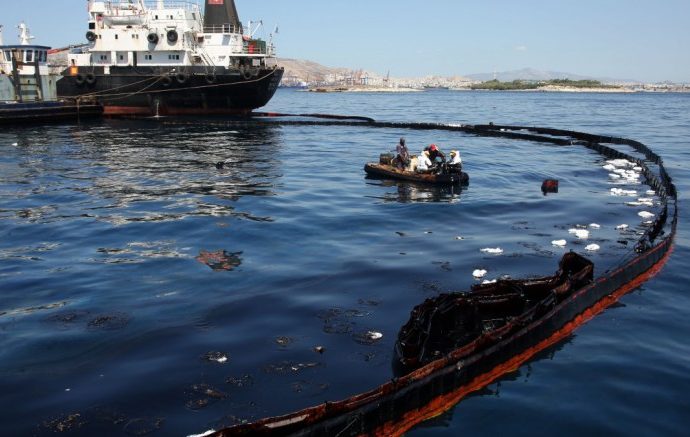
[123,172]
[406,192]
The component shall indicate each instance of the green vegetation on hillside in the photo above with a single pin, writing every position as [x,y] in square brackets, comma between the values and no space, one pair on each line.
[533,85]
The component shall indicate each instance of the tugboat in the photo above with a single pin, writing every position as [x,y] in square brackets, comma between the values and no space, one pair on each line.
[27,85]
[169,59]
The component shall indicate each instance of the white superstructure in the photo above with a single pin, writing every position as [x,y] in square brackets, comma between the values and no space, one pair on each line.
[166,33]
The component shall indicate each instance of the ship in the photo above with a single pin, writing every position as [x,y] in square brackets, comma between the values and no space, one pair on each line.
[28,85]
[171,58]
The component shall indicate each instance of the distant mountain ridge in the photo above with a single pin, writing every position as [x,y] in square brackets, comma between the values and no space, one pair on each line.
[534,74]
[310,71]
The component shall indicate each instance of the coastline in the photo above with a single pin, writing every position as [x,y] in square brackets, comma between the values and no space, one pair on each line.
[545,89]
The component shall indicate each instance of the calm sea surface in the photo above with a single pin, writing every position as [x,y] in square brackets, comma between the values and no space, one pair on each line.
[143,291]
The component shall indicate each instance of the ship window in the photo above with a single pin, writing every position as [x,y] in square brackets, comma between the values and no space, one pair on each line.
[122,58]
[193,16]
[116,36]
[174,57]
[156,17]
[29,56]
[8,56]
[148,57]
[92,25]
[104,57]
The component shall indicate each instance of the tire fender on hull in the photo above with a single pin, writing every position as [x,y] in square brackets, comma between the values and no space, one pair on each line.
[249,72]
[172,36]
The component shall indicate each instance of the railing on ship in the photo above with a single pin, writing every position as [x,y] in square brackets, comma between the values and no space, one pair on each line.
[223,28]
[174,4]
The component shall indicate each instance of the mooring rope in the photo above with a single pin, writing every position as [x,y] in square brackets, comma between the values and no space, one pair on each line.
[108,94]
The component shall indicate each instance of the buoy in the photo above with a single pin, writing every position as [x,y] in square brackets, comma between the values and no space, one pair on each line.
[549,186]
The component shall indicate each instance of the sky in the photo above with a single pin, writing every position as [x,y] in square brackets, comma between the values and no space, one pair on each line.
[615,39]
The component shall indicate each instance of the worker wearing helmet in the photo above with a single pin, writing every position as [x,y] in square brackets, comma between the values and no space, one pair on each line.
[434,153]
[455,164]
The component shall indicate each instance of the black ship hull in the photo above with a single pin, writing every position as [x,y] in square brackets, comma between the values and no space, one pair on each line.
[148,91]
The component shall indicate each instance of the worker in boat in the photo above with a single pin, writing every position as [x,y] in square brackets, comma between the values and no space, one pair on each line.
[455,163]
[435,152]
[402,160]
[423,162]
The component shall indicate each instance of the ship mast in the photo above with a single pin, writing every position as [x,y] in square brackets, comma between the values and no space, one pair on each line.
[24,35]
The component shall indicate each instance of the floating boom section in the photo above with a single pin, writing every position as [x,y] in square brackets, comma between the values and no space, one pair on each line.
[221,15]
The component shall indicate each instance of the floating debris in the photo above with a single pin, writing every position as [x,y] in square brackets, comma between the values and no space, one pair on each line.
[650,192]
[459,237]
[143,426]
[218,357]
[203,395]
[220,260]
[579,233]
[594,226]
[319,349]
[622,192]
[284,341]
[622,227]
[368,338]
[486,281]
[492,250]
[374,335]
[242,381]
[549,186]
[109,322]
[592,247]
[620,162]
[645,214]
[479,273]
[558,243]
[287,367]
[205,434]
[64,423]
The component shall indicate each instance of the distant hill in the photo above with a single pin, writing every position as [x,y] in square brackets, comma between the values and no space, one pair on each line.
[308,71]
[533,74]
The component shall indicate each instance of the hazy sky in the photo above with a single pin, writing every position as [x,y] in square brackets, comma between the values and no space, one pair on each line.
[625,39]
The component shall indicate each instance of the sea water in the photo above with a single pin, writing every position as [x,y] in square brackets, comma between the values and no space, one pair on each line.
[145,291]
